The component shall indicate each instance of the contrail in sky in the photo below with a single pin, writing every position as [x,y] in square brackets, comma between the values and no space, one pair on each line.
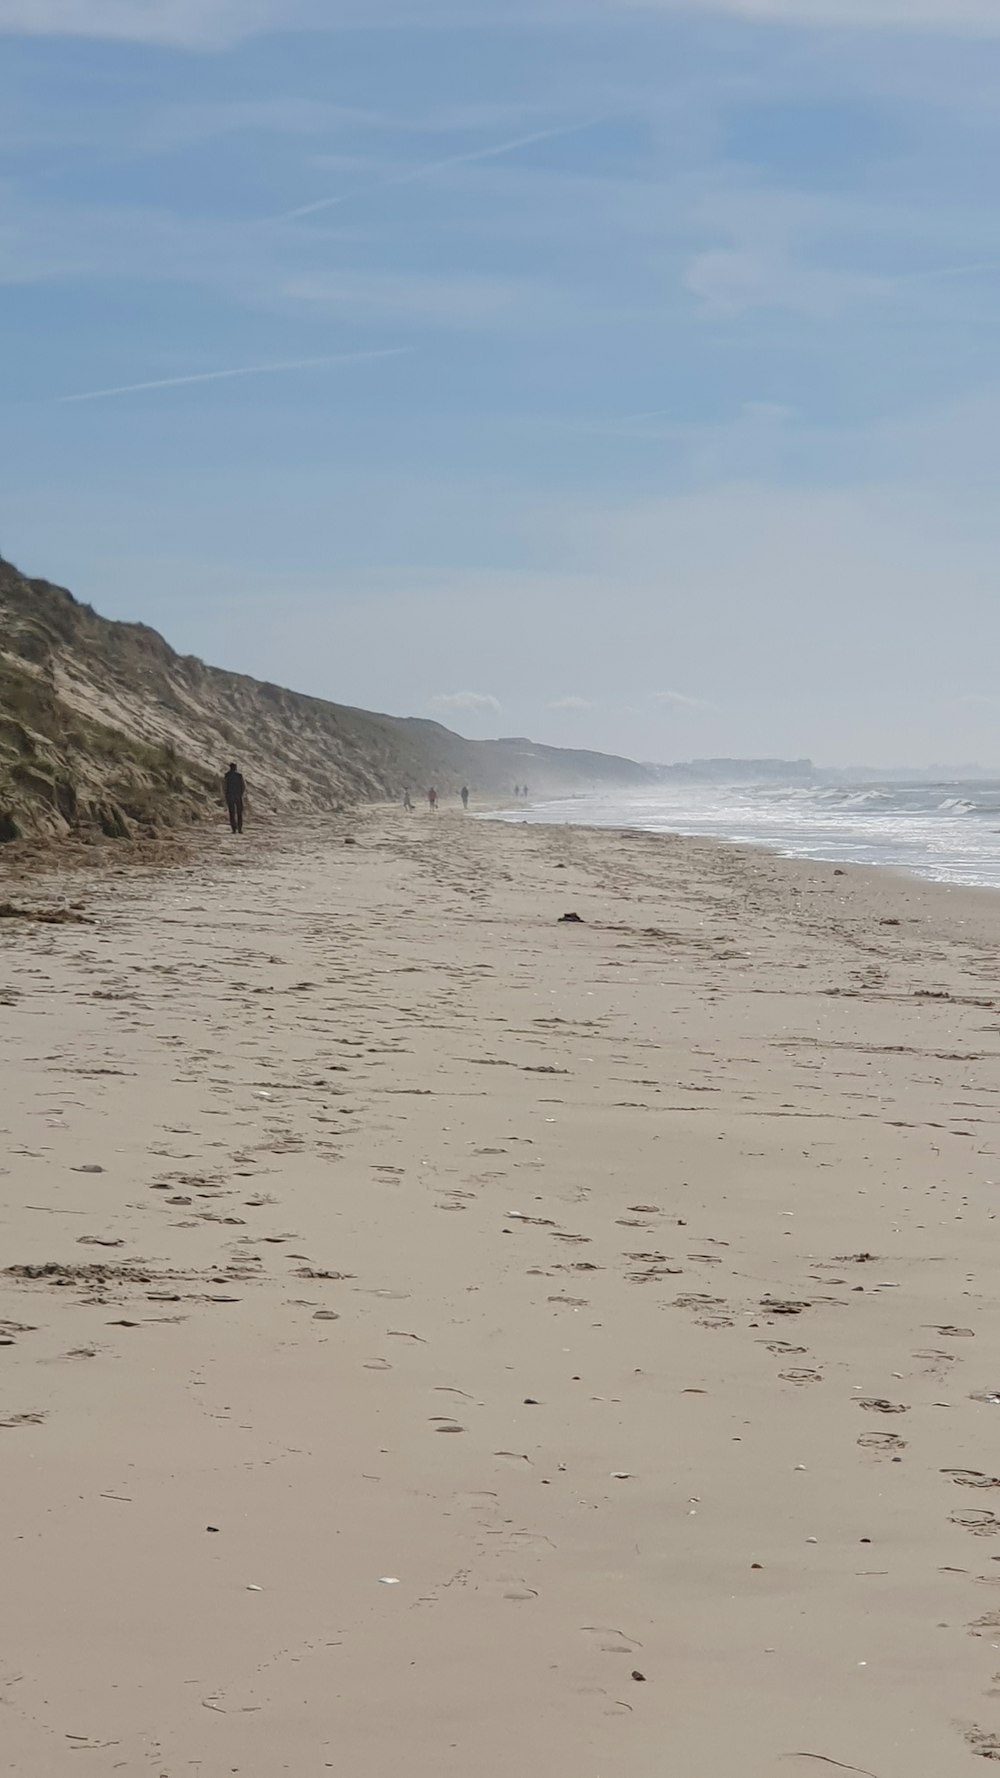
[454,160]
[244,370]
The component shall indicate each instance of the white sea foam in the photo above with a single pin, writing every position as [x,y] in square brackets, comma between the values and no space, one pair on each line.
[950,832]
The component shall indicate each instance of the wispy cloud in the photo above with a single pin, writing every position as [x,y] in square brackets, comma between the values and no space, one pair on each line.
[572,704]
[679,700]
[410,175]
[956,15]
[458,301]
[732,281]
[214,24]
[258,268]
[477,701]
[187,24]
[243,370]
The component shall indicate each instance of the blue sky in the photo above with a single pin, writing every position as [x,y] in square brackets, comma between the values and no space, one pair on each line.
[620,372]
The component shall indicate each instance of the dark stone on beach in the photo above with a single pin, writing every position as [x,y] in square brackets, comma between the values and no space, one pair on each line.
[570,920]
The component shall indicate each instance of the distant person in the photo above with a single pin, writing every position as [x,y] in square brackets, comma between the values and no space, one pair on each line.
[465,796]
[234,790]
[517,790]
[432,798]
[407,802]
[524,791]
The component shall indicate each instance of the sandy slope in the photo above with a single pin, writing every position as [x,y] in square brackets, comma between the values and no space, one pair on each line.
[106,730]
[519,1263]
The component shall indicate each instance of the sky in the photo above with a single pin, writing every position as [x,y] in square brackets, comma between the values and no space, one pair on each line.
[622,373]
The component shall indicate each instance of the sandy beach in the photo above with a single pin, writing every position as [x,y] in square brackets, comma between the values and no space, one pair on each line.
[436,1337]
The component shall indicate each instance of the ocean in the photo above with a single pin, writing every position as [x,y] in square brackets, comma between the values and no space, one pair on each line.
[949,832]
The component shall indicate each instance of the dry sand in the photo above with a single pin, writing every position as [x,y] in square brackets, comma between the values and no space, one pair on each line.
[624,1292]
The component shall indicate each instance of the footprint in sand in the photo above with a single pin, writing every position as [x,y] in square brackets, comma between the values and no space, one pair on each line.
[985,1745]
[651,1265]
[710,1311]
[936,1363]
[980,1522]
[610,1641]
[884,1443]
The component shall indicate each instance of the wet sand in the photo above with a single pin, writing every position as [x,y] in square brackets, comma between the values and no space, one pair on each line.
[623,1292]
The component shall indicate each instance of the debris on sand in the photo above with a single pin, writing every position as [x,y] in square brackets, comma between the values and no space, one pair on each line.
[44,916]
[77,1276]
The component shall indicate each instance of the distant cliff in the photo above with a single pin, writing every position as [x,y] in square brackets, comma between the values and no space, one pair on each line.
[737,771]
[105,730]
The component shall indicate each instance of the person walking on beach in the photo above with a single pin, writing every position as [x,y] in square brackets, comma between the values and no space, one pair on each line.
[465,796]
[432,798]
[234,790]
[407,802]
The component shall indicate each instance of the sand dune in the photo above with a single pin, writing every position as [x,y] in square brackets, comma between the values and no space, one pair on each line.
[439,1338]
[106,731]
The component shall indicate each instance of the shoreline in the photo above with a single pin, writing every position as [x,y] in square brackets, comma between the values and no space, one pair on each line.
[680,1221]
[775,848]
[979,898]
